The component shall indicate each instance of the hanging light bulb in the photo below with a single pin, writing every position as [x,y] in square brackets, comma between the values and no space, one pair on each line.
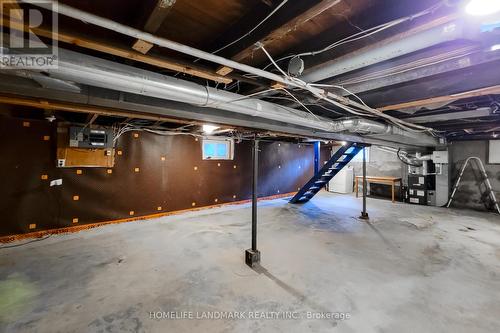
[482,7]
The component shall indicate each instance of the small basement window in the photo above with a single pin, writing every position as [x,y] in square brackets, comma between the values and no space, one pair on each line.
[218,149]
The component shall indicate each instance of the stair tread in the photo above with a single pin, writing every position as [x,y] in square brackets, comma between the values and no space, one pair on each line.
[334,166]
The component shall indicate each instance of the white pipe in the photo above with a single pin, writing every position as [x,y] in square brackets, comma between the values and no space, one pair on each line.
[163,42]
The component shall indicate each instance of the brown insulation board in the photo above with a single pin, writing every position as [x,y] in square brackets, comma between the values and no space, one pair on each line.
[152,174]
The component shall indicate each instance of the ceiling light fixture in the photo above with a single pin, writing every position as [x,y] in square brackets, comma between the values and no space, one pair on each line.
[482,7]
[209,129]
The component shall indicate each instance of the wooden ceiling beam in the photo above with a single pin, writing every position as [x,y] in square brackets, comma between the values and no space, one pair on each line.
[153,23]
[91,118]
[73,107]
[493,90]
[158,15]
[125,53]
[282,31]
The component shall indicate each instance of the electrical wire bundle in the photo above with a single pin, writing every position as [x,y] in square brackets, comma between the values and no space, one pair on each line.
[118,132]
[365,33]
[360,109]
[353,107]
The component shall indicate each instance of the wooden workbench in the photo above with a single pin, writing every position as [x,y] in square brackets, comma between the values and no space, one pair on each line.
[380,180]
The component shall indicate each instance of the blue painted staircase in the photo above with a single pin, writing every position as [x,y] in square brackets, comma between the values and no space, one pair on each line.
[338,161]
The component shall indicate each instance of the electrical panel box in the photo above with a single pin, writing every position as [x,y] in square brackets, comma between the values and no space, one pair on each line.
[440,157]
[79,147]
[81,137]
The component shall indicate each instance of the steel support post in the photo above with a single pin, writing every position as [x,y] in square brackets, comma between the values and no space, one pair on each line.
[252,256]
[364,214]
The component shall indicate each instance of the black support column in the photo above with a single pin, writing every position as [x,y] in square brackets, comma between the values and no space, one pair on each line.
[252,256]
[364,214]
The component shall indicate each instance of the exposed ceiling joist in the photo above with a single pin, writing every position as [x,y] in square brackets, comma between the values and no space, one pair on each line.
[93,111]
[435,32]
[494,90]
[480,112]
[121,52]
[282,31]
[91,118]
[419,70]
[153,23]
[158,15]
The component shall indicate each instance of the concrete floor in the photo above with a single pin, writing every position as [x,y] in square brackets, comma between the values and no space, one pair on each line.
[413,268]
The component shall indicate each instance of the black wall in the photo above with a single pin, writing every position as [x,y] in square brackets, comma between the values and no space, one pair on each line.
[172,184]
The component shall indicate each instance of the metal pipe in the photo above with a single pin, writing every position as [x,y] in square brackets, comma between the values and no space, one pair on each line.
[92,71]
[138,34]
[106,74]
[387,50]
[97,72]
[362,126]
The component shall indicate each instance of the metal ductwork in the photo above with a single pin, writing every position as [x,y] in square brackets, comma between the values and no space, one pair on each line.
[391,48]
[83,69]
[362,126]
[99,73]
[45,81]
